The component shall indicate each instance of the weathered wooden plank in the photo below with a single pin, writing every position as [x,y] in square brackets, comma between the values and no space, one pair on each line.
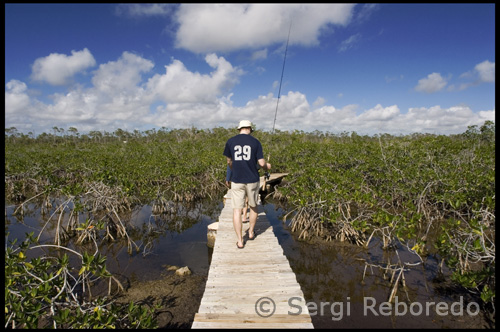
[282,308]
[266,257]
[252,290]
[256,319]
[243,325]
[263,282]
[249,265]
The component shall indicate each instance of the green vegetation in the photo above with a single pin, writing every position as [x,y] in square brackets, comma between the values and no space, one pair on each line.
[45,292]
[433,193]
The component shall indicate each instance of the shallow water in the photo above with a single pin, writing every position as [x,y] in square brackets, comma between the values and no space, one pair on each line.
[337,295]
[330,274]
[179,240]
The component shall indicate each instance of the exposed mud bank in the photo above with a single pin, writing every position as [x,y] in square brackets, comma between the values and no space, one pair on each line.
[178,296]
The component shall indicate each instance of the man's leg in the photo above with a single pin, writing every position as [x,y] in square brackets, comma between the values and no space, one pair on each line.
[253,196]
[253,220]
[245,209]
[237,202]
[238,226]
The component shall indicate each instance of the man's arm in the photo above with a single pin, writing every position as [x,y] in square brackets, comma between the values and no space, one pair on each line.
[265,166]
[230,162]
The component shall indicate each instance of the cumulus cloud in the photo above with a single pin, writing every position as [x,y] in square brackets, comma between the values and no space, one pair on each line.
[58,69]
[16,97]
[122,75]
[207,28]
[179,85]
[486,71]
[432,83]
[445,120]
[122,96]
[483,72]
[379,113]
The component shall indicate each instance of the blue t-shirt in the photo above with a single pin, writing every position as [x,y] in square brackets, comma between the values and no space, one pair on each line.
[244,150]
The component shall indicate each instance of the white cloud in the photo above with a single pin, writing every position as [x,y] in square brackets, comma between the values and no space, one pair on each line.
[486,71]
[379,113]
[320,101]
[451,120]
[143,10]
[332,119]
[389,79]
[121,97]
[207,28]
[179,85]
[259,55]
[432,83]
[483,72]
[57,69]
[365,11]
[349,42]
[123,75]
[75,106]
[16,97]
[294,113]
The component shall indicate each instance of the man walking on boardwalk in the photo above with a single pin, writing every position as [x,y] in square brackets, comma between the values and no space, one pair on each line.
[243,153]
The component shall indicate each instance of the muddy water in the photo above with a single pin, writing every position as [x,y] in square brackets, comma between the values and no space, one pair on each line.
[330,274]
[178,239]
[338,296]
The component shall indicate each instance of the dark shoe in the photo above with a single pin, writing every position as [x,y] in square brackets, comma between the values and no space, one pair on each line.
[253,237]
[239,246]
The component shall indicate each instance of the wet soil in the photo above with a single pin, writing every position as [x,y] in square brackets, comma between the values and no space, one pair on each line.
[179,297]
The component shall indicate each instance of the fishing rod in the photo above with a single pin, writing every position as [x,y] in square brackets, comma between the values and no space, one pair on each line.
[281,80]
[267,174]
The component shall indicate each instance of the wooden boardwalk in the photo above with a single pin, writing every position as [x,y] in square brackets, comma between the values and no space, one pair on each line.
[273,178]
[250,287]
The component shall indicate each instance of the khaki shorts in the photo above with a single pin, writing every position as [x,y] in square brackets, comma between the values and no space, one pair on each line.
[240,190]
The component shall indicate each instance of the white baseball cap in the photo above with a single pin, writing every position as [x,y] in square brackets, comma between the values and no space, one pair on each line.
[244,124]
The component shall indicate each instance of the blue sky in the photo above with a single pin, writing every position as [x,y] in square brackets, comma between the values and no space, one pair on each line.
[368,68]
